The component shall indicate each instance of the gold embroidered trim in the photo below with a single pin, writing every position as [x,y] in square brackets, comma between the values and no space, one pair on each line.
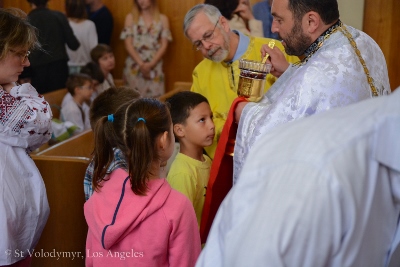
[319,45]
[346,33]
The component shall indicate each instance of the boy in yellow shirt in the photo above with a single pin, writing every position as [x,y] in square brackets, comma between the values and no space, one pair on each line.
[194,128]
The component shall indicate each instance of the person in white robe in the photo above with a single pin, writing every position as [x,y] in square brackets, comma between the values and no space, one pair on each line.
[25,124]
[330,75]
[330,197]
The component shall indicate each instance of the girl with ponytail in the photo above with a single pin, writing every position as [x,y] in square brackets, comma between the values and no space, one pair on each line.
[135,218]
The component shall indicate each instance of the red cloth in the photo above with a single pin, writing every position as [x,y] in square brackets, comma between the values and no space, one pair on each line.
[221,173]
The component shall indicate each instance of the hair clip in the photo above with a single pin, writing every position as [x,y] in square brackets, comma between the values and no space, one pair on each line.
[141,119]
[110,117]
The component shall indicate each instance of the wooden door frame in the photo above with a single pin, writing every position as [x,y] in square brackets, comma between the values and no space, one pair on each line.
[381,22]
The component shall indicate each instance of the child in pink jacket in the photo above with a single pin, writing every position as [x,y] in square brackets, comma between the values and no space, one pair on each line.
[135,218]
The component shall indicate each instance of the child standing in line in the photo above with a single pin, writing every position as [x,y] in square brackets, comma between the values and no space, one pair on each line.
[135,218]
[107,103]
[74,109]
[194,128]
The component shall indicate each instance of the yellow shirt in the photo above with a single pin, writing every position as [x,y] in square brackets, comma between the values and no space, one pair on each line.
[190,177]
[218,82]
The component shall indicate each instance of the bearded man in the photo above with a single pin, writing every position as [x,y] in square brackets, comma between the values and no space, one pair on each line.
[340,65]
[217,76]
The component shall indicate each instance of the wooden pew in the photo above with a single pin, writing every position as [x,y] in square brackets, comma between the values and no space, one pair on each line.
[119,82]
[54,99]
[80,145]
[63,167]
[178,87]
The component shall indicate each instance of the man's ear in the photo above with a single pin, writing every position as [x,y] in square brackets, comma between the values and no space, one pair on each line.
[179,130]
[312,22]
[224,24]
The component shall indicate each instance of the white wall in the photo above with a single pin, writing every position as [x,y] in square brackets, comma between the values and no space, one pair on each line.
[352,12]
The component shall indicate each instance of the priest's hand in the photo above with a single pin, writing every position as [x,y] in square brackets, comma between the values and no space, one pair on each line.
[238,111]
[276,59]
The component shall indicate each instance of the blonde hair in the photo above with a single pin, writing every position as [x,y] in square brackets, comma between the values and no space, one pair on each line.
[136,11]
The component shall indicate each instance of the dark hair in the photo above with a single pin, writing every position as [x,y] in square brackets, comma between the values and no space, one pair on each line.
[93,70]
[75,9]
[109,101]
[38,3]
[181,103]
[75,80]
[327,9]
[226,7]
[137,139]
[98,51]
[16,31]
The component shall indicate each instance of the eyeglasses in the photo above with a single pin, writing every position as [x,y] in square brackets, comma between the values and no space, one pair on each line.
[207,37]
[23,55]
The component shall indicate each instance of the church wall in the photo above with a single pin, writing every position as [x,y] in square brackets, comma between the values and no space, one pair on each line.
[376,17]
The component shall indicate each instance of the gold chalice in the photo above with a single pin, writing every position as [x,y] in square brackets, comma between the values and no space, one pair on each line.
[252,77]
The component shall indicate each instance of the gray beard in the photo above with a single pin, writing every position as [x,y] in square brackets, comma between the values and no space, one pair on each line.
[220,56]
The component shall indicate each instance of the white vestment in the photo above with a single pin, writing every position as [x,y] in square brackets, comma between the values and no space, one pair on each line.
[332,77]
[330,197]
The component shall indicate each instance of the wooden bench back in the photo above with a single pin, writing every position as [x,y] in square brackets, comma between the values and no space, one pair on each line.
[63,168]
[80,145]
[178,87]
[54,99]
[66,228]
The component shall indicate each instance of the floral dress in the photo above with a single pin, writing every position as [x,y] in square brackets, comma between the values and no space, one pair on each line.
[146,42]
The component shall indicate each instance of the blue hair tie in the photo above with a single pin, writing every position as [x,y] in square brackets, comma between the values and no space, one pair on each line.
[141,119]
[110,117]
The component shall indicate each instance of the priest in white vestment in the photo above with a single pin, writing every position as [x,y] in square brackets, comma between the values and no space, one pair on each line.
[331,74]
[330,197]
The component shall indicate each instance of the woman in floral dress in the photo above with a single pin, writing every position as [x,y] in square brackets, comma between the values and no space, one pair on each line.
[146,36]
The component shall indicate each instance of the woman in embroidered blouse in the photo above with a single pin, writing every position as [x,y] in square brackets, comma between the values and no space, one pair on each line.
[146,36]
[25,124]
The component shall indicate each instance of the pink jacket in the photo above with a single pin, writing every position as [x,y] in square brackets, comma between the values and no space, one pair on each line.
[159,229]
